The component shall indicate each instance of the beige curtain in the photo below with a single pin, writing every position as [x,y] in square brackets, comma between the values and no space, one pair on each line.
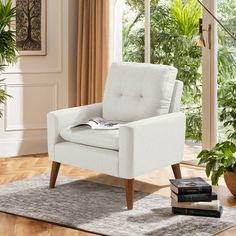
[92,60]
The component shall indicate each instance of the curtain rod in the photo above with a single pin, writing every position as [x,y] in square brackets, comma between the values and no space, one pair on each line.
[217,20]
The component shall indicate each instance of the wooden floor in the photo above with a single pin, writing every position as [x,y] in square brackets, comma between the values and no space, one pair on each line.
[12,169]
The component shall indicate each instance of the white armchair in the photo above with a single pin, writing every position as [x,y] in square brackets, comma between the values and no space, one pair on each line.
[145,96]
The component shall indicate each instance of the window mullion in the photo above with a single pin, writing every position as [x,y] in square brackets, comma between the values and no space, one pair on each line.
[147,31]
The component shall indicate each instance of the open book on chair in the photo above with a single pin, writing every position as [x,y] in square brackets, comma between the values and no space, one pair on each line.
[100,123]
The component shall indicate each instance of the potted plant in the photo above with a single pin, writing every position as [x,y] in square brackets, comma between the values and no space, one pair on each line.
[221,159]
[7,42]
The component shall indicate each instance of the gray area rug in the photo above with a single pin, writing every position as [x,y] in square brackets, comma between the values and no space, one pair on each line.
[101,209]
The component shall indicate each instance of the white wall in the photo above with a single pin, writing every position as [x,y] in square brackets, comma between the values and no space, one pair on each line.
[40,84]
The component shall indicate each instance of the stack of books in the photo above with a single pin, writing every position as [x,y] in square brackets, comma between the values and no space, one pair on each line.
[194,196]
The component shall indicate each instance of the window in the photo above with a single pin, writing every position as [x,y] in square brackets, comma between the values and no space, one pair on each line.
[171,41]
[165,31]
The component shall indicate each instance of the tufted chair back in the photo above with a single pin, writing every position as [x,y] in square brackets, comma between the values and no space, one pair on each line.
[136,91]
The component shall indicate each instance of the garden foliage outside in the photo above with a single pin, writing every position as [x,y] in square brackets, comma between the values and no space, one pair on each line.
[222,157]
[174,29]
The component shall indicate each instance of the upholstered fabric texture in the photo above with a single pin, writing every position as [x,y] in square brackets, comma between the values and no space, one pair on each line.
[175,104]
[144,145]
[152,138]
[136,91]
[98,138]
[93,158]
[150,144]
[60,119]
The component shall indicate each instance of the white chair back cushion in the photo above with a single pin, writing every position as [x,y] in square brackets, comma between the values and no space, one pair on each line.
[175,104]
[138,90]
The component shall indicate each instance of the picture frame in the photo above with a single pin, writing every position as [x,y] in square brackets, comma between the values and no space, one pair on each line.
[31,27]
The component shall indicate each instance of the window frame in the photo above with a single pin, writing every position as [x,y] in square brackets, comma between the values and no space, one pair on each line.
[209,65]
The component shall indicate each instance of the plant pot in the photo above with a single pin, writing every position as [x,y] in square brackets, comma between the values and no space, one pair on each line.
[230,180]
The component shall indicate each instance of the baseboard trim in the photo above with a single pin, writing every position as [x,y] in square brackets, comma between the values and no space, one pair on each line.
[12,148]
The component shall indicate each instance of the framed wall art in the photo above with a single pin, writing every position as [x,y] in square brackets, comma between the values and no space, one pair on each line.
[30,26]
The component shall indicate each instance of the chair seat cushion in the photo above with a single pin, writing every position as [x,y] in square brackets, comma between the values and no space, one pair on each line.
[108,139]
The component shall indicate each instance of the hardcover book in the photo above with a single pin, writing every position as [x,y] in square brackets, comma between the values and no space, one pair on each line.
[210,206]
[198,197]
[190,186]
[197,212]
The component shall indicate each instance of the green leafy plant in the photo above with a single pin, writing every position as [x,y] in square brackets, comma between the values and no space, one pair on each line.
[7,42]
[174,28]
[222,157]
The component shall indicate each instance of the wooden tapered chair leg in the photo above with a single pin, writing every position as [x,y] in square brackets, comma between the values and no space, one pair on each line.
[129,191]
[54,172]
[177,171]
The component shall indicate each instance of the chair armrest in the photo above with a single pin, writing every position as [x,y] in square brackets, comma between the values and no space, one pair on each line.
[57,120]
[152,143]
